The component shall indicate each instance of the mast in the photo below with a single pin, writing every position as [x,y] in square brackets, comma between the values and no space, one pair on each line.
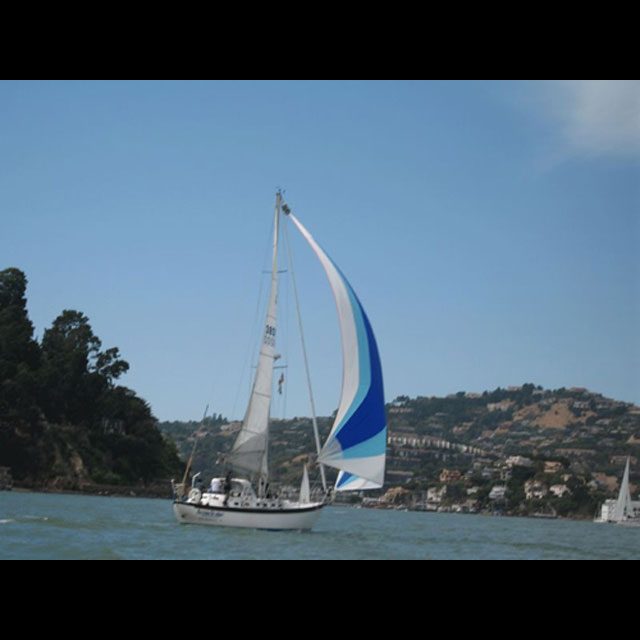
[250,450]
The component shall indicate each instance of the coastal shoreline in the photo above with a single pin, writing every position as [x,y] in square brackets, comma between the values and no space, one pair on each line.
[109,491]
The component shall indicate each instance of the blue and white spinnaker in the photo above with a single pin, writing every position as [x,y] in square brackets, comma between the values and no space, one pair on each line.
[358,439]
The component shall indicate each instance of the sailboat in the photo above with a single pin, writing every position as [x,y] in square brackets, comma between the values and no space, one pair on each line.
[624,510]
[356,444]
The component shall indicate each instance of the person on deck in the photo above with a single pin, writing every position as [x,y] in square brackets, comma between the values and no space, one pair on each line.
[227,488]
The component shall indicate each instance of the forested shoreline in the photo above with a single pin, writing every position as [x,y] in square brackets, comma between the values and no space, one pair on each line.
[65,421]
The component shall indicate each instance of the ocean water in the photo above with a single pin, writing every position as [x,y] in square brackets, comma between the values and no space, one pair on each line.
[54,526]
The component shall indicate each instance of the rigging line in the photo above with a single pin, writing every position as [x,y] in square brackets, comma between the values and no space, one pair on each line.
[252,342]
[248,352]
[286,341]
[193,450]
[304,354]
[212,395]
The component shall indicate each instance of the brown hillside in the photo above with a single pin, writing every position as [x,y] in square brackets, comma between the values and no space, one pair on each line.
[558,416]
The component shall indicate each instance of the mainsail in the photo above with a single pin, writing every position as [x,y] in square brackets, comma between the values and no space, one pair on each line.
[358,438]
[249,452]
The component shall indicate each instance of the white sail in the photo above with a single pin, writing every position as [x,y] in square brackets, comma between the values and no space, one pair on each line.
[305,492]
[624,508]
[250,449]
[358,438]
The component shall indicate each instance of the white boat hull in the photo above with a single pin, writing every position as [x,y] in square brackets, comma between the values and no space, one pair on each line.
[300,518]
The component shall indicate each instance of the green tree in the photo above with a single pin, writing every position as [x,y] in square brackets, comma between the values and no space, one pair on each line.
[137,451]
[75,372]
[20,422]
[19,352]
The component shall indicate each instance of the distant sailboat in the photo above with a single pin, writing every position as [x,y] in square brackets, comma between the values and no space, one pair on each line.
[356,445]
[623,510]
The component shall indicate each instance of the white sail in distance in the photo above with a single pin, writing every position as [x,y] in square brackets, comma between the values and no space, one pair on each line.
[624,507]
[305,491]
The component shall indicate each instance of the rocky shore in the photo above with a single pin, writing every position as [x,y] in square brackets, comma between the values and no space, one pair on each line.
[6,481]
[156,490]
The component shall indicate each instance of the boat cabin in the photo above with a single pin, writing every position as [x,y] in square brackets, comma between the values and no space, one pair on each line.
[239,487]
[241,495]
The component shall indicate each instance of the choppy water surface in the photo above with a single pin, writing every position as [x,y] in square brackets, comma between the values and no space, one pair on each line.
[52,526]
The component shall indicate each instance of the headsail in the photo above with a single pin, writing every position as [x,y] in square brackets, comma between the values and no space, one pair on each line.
[249,452]
[358,439]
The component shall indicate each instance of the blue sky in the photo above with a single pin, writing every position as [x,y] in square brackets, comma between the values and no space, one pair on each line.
[490,229]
